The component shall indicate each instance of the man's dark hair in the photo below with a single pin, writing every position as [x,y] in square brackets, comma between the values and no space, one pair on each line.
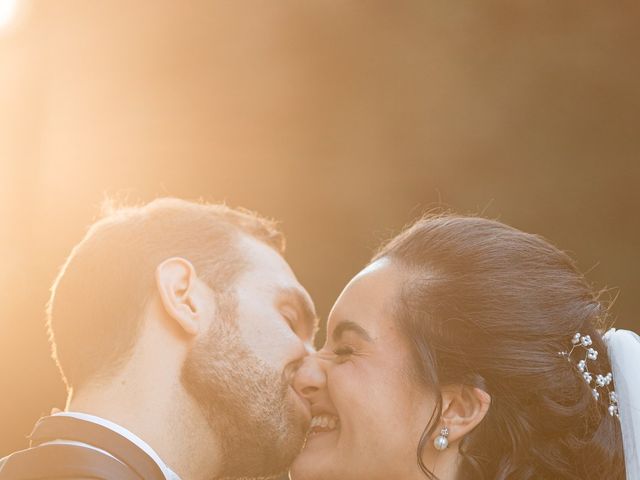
[97,300]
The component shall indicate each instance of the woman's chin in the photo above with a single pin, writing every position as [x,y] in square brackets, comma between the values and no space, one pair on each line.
[308,470]
[314,461]
[304,468]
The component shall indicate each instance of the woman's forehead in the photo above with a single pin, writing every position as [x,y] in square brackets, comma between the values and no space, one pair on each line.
[369,296]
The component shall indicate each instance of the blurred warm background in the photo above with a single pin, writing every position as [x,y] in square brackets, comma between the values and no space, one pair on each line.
[342,118]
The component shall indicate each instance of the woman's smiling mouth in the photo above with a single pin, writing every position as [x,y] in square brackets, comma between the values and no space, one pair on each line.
[324,423]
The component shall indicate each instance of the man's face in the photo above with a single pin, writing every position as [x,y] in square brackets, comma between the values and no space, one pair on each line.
[240,371]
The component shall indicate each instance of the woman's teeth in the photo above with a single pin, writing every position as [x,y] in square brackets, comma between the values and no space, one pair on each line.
[324,423]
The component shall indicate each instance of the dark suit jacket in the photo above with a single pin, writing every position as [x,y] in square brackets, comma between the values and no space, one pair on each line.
[45,460]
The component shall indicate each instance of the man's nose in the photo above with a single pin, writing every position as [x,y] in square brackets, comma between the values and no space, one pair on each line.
[310,377]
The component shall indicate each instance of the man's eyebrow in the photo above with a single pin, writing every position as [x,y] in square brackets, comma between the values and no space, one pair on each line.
[303,305]
[349,326]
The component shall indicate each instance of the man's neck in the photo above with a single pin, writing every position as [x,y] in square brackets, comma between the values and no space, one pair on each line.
[168,423]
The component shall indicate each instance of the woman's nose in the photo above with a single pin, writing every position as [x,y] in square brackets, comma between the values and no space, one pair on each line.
[310,377]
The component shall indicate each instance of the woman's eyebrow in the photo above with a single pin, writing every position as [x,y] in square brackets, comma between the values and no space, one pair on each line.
[349,326]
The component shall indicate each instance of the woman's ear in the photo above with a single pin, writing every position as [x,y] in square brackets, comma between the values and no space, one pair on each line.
[463,408]
[176,281]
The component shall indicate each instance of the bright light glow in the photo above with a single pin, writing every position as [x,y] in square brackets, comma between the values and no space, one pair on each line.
[7,12]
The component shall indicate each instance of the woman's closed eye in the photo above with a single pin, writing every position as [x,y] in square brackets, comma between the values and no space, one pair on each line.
[343,351]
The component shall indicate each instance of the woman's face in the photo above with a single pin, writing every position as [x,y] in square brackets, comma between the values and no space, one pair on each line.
[369,411]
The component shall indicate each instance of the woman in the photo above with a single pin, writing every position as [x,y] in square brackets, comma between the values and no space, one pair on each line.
[442,361]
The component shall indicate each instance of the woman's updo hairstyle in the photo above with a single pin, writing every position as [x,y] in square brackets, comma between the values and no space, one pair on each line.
[487,305]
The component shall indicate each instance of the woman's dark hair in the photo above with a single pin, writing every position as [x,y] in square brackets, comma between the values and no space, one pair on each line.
[490,306]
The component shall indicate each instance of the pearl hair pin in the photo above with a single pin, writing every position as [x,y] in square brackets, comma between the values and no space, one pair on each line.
[601,382]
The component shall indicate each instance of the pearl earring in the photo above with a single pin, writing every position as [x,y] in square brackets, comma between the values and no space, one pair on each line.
[441,442]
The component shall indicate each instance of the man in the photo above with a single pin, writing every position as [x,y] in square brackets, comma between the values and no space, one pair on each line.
[177,328]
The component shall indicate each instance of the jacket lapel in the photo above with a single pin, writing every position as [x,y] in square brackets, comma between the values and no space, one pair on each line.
[68,428]
[64,461]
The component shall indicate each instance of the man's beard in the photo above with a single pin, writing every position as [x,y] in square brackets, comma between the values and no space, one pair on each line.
[245,402]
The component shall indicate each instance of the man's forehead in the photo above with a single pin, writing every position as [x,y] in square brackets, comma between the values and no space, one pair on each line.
[264,263]
[261,257]
[268,271]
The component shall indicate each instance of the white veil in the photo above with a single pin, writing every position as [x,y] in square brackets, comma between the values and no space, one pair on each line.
[623,347]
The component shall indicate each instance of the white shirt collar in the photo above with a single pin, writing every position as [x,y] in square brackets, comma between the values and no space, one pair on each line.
[169,475]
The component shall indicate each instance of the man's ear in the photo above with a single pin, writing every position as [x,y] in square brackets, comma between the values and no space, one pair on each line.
[463,408]
[176,281]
